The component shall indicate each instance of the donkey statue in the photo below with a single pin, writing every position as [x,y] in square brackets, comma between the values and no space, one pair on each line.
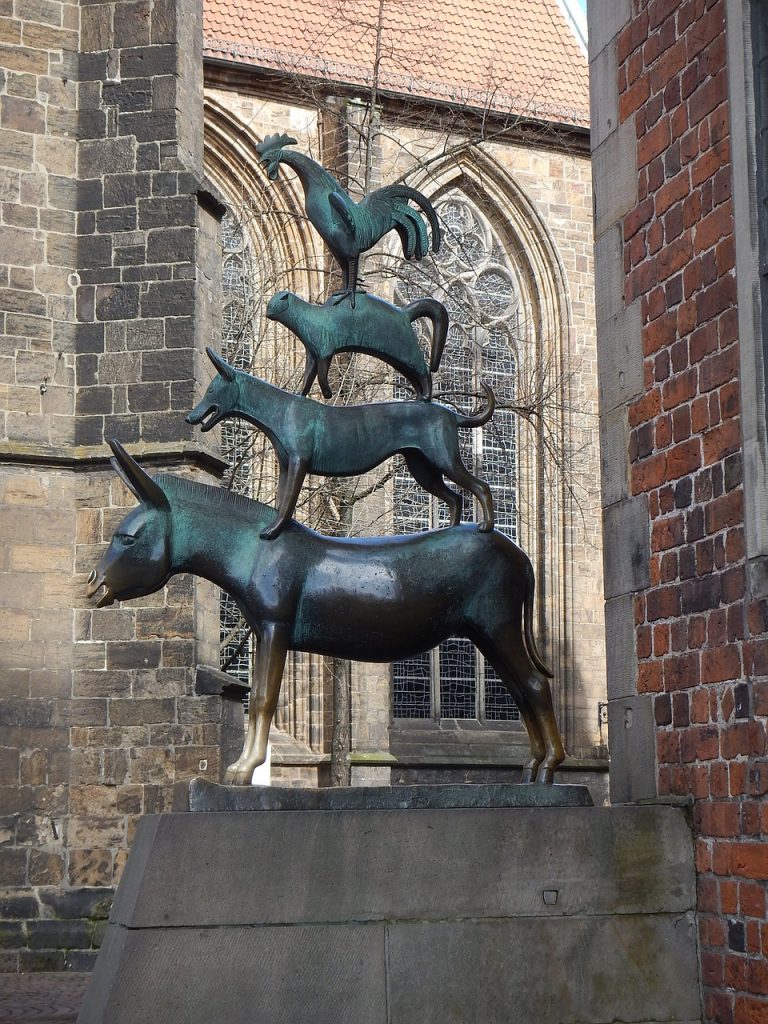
[372,599]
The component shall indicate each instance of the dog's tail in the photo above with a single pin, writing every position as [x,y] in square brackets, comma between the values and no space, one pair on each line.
[438,314]
[482,416]
[530,643]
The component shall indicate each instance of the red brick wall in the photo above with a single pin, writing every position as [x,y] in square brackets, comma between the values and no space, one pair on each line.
[702,645]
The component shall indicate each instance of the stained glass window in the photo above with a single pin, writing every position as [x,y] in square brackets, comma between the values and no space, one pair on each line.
[473,277]
[239,284]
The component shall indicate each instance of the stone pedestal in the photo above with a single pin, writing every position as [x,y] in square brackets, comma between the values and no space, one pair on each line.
[383,915]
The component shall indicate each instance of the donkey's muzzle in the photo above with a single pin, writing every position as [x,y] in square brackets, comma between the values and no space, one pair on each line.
[95,582]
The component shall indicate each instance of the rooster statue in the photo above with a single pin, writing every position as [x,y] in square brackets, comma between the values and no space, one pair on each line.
[349,228]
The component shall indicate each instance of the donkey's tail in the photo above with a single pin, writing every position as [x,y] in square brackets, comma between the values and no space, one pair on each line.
[482,415]
[530,643]
[438,314]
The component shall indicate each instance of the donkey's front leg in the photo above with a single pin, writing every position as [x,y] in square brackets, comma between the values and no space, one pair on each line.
[270,661]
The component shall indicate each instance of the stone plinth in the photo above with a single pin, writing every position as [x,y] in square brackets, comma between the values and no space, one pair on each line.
[209,796]
[451,915]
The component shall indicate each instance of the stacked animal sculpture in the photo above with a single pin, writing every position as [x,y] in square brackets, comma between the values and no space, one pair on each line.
[375,599]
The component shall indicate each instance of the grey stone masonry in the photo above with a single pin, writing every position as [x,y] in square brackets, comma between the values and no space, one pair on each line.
[543,915]
[626,543]
[107,292]
[136,203]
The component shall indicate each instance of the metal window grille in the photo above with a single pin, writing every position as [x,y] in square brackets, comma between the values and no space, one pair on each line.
[239,284]
[473,276]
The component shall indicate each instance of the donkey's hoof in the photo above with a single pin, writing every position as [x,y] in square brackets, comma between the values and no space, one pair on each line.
[237,775]
[529,775]
[546,776]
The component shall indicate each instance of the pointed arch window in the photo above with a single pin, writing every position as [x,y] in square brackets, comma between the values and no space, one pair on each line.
[240,284]
[475,279]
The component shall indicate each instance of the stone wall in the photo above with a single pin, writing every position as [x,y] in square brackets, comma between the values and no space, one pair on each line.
[681,382]
[106,285]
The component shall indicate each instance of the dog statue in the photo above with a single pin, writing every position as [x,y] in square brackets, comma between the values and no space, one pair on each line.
[327,440]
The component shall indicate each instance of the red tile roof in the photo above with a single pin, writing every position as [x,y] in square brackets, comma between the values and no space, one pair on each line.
[517,56]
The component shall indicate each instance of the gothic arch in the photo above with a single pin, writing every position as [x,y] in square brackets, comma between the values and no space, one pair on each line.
[531,248]
[232,162]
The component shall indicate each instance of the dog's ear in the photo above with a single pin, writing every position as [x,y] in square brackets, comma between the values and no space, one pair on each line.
[226,371]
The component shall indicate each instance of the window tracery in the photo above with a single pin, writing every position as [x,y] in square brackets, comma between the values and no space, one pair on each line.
[240,283]
[473,276]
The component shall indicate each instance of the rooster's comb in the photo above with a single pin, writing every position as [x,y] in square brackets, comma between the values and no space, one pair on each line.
[273,142]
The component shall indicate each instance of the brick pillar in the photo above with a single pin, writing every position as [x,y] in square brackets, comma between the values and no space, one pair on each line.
[677,275]
[107,287]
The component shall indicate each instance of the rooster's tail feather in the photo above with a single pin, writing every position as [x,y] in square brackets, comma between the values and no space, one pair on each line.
[394,192]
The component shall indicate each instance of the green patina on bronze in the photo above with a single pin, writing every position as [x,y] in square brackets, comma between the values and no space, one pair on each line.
[377,599]
[372,326]
[372,599]
[349,228]
[327,440]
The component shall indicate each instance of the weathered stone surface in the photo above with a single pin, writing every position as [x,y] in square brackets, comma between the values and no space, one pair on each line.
[627,546]
[209,796]
[633,750]
[591,969]
[620,648]
[531,914]
[606,19]
[597,858]
[331,974]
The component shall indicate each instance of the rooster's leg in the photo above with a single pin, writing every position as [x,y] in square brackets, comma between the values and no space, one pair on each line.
[349,288]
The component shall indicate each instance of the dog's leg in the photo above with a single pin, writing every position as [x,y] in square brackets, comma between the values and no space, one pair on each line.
[270,661]
[460,475]
[425,474]
[288,489]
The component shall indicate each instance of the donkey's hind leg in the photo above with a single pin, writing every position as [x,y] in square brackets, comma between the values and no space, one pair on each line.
[535,738]
[534,699]
[431,480]
[538,695]
[270,662]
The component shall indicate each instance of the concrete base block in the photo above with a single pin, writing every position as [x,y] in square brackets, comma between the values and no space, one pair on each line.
[547,915]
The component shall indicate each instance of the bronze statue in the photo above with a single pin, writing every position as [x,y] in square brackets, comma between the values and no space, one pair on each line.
[373,599]
[349,228]
[372,326]
[310,437]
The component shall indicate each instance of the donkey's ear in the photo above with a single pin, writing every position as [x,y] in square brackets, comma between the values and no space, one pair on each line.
[226,371]
[134,477]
